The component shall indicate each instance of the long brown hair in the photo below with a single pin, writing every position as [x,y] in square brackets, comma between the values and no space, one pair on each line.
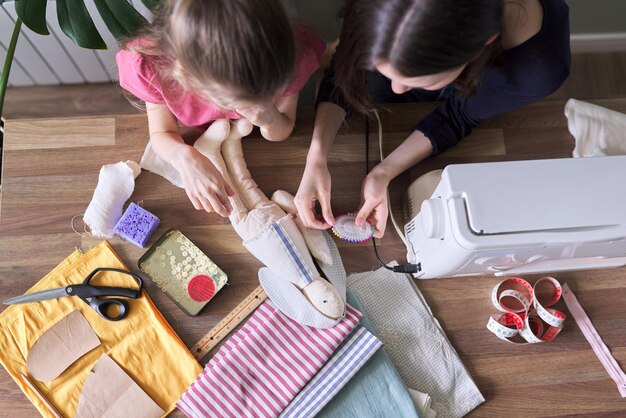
[245,46]
[417,37]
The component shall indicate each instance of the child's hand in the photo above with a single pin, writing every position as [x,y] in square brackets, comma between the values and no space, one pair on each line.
[204,184]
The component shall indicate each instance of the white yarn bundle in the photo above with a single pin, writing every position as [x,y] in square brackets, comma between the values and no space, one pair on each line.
[116,183]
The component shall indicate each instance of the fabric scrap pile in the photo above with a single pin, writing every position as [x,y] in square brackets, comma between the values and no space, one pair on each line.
[262,368]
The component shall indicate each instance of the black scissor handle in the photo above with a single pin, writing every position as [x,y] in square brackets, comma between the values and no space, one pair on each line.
[102,305]
[120,291]
[91,294]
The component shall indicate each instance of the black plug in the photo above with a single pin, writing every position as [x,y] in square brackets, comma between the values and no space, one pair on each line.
[407,268]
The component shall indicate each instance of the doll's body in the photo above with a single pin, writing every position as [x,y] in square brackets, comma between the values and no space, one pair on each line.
[270,234]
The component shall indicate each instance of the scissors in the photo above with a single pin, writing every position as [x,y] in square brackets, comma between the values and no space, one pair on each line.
[90,294]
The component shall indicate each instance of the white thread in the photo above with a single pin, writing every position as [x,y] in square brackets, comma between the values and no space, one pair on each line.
[382,157]
[74,229]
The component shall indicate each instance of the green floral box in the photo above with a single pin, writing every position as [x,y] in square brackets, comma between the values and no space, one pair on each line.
[182,271]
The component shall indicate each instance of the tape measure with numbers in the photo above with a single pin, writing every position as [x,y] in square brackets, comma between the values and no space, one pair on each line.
[526,314]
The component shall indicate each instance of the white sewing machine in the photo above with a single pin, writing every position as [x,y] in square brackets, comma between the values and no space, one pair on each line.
[519,217]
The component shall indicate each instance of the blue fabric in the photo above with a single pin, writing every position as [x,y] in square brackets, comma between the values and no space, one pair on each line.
[377,390]
[293,252]
[346,361]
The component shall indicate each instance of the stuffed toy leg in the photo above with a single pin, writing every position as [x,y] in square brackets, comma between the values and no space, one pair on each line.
[314,238]
[273,237]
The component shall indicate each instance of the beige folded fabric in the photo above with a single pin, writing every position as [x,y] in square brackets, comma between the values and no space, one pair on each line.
[598,131]
[422,403]
[415,342]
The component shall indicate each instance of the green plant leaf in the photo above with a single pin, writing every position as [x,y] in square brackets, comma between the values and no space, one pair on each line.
[8,61]
[120,17]
[76,23]
[152,4]
[33,14]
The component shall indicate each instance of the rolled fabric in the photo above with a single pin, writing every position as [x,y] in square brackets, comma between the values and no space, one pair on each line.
[116,183]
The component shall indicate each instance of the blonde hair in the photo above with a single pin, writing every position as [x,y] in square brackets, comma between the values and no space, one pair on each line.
[246,47]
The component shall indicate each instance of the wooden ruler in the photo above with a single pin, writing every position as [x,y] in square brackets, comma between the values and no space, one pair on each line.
[230,322]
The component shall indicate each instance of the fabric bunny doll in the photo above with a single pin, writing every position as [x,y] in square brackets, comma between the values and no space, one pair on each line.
[279,240]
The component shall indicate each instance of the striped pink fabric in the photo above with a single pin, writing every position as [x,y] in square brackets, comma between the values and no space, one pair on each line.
[263,366]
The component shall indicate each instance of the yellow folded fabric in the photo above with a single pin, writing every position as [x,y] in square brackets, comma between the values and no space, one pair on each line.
[143,343]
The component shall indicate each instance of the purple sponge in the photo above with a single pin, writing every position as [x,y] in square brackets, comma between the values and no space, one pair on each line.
[136,225]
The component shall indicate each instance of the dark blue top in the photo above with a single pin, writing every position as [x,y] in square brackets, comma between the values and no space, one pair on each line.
[528,73]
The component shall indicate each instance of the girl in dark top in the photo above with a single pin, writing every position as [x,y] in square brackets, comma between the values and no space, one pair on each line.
[479,58]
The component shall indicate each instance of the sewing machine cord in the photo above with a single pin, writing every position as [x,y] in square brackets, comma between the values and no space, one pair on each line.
[403,268]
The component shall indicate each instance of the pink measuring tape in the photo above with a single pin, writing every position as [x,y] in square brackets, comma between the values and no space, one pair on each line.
[526,311]
[594,339]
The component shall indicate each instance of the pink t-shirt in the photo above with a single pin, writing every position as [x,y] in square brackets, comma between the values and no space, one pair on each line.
[136,75]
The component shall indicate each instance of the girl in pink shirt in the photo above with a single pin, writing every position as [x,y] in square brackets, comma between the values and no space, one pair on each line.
[221,59]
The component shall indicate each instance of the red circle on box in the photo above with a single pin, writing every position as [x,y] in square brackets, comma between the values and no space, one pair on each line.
[201,288]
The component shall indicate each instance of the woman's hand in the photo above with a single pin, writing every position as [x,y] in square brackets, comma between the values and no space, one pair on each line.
[315,186]
[374,191]
[374,198]
[204,184]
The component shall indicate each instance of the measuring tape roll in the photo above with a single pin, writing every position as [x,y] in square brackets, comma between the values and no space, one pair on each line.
[526,310]
[512,295]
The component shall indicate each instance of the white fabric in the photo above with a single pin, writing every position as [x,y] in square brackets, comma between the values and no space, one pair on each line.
[598,131]
[334,271]
[422,403]
[314,238]
[151,161]
[116,183]
[415,342]
[272,251]
[291,302]
[251,224]
[325,298]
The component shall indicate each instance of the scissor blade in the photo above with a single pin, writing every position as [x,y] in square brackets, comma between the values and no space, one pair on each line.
[38,296]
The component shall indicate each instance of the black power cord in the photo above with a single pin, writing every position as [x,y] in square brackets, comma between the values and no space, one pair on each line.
[403,268]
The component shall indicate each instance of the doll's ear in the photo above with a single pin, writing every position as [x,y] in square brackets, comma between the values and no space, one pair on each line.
[292,302]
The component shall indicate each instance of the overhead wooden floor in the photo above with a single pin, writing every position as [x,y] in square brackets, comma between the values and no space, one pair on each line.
[561,378]
[592,76]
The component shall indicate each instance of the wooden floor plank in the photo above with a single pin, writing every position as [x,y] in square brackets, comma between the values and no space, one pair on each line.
[43,188]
